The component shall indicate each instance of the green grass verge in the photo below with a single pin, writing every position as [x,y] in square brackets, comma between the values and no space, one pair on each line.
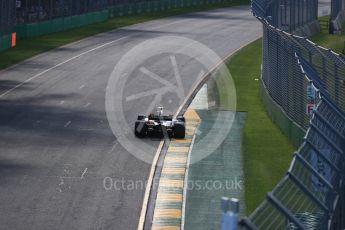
[267,153]
[30,47]
[332,41]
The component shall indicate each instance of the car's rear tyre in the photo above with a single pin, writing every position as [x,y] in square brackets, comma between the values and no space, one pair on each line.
[140,129]
[179,130]
[181,119]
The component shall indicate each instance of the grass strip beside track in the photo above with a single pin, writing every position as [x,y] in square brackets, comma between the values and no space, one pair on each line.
[28,48]
[267,153]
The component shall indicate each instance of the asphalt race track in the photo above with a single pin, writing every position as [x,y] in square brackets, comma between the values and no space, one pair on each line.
[56,146]
[56,143]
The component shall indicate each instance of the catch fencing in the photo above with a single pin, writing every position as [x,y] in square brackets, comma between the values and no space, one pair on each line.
[31,11]
[7,16]
[336,7]
[337,16]
[7,22]
[40,17]
[306,82]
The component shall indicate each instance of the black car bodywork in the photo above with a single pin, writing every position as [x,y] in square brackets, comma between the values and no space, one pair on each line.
[160,125]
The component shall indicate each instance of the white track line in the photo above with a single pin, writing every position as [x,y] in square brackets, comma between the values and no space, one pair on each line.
[113,148]
[82,175]
[148,187]
[72,58]
[91,37]
[60,64]
[67,124]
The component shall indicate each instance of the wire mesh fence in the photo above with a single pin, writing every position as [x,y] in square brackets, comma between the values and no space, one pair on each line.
[32,11]
[7,16]
[336,7]
[286,14]
[307,82]
[280,69]
[337,17]
[41,17]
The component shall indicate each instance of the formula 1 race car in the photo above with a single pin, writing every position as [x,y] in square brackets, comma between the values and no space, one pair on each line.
[160,125]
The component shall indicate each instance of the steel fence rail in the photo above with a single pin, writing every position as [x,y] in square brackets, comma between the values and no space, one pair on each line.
[308,83]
